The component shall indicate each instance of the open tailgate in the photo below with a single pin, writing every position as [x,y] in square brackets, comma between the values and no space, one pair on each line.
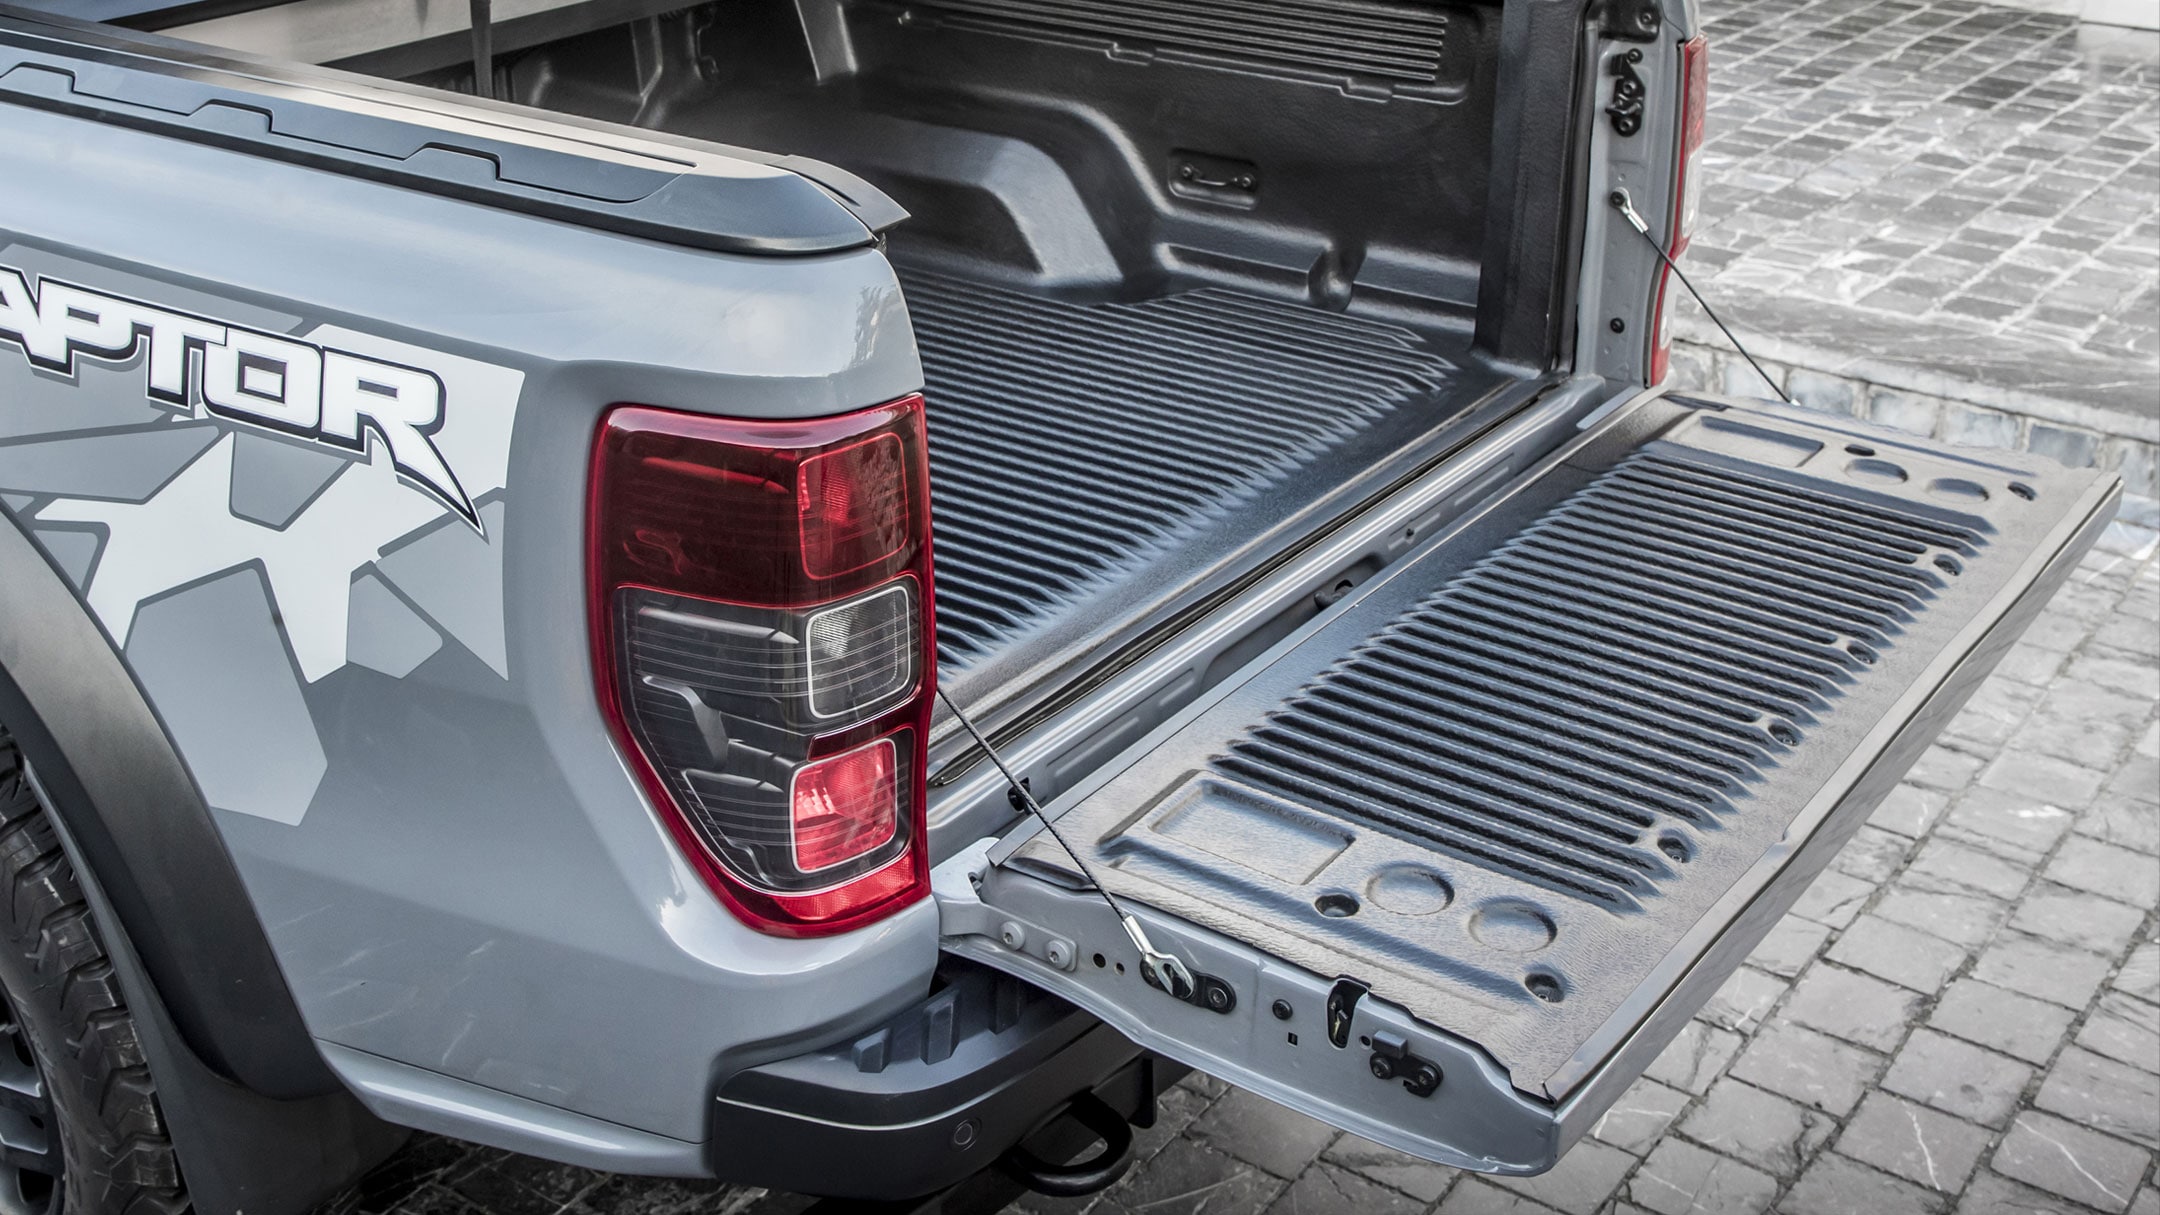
[1455,861]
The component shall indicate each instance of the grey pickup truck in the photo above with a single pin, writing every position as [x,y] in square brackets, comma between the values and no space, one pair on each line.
[471,658]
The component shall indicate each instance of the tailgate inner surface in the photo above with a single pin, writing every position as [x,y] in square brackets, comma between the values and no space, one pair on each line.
[1089,457]
[1505,782]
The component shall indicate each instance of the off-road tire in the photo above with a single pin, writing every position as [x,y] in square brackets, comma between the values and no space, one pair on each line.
[73,1028]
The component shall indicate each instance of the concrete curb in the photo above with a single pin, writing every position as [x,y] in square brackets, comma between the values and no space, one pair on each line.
[1945,408]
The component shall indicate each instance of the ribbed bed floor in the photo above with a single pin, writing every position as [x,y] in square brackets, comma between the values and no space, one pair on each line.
[1073,445]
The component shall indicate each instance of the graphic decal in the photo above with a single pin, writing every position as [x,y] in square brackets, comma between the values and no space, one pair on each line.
[199,484]
[184,533]
[321,393]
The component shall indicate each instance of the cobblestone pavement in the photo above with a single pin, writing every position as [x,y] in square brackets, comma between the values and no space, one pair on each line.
[1944,196]
[1962,1013]
[1955,162]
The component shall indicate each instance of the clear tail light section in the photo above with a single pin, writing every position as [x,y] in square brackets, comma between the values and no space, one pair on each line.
[1694,99]
[762,625]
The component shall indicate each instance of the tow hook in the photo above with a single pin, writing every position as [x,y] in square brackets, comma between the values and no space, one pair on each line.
[1392,1060]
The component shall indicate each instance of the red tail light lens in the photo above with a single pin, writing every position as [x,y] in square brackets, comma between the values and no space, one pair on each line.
[762,632]
[846,806]
[1694,101]
[1694,108]
[853,505]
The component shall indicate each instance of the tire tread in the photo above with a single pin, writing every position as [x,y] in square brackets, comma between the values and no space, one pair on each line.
[49,925]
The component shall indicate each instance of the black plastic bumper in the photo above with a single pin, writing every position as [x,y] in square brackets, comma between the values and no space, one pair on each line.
[932,1097]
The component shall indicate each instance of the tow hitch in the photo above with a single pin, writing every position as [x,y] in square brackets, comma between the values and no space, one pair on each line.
[1096,1172]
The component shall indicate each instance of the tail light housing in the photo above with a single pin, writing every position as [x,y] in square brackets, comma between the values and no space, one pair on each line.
[1694,99]
[762,632]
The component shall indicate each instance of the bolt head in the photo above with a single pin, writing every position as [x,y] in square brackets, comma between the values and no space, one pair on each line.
[1617,325]
[1281,1009]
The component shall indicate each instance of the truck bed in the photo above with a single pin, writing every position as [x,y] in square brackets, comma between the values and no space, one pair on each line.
[1158,347]
[1079,449]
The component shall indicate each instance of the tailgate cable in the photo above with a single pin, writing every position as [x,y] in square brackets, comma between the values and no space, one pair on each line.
[1166,970]
[1621,203]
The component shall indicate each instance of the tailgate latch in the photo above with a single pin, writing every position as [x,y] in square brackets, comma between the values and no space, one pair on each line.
[1392,1060]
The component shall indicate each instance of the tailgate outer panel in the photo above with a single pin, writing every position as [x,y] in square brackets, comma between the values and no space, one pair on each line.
[1525,1077]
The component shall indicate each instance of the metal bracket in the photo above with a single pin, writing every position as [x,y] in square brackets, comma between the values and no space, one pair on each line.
[962,913]
[1626,110]
[1632,20]
[955,888]
[1392,1060]
[1207,991]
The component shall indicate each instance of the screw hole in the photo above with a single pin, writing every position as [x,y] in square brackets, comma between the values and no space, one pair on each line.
[1364,1040]
[1865,653]
[2022,490]
[1785,734]
[1948,565]
[1859,449]
[1100,962]
[1336,906]
[1675,849]
[1281,1009]
[1545,987]
[1120,968]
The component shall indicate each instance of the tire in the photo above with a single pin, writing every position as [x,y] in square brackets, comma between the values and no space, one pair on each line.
[80,1128]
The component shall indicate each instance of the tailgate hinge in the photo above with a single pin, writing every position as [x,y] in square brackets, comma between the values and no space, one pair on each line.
[956,888]
[962,912]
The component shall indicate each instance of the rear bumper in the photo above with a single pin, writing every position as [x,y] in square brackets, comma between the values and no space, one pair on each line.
[934,1095]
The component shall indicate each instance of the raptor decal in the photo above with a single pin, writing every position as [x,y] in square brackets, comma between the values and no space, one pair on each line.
[195,365]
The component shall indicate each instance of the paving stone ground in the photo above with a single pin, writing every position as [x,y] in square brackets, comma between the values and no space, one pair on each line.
[1940,214]
[1984,168]
[1962,1014]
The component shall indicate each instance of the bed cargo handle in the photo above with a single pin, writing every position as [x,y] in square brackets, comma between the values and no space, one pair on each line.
[1097,1172]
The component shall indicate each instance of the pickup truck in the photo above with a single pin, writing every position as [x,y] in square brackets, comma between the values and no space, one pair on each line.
[471,659]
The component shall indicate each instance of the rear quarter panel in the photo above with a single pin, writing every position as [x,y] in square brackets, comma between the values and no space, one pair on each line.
[389,705]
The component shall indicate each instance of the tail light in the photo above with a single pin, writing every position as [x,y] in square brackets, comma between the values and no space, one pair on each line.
[1694,97]
[762,631]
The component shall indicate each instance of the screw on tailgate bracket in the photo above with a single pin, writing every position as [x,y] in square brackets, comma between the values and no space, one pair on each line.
[1392,1060]
[1628,92]
[1632,20]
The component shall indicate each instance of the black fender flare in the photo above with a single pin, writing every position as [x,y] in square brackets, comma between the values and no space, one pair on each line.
[111,774]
